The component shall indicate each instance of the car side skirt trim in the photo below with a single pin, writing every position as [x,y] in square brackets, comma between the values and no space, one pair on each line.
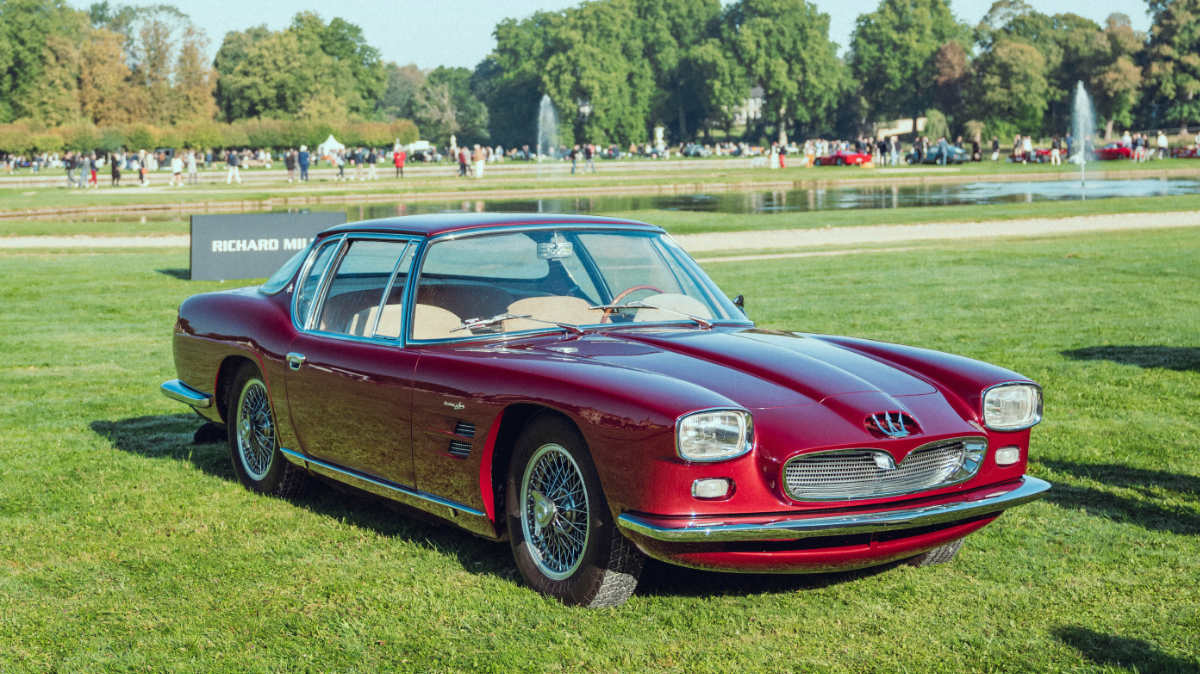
[178,391]
[965,506]
[465,516]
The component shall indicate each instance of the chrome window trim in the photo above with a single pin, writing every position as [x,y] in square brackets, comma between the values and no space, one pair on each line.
[541,227]
[749,439]
[346,237]
[963,438]
[305,268]
[796,526]
[1014,382]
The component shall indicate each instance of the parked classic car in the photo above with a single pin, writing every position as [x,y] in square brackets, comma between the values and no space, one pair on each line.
[933,155]
[579,386]
[1114,151]
[844,158]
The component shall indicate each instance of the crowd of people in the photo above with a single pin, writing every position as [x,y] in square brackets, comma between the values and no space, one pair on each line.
[85,169]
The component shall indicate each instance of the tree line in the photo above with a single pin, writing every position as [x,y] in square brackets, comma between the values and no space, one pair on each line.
[117,75]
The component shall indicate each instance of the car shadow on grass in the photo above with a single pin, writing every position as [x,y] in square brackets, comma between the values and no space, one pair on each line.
[1181,358]
[183,437]
[1148,511]
[173,437]
[1114,651]
[181,274]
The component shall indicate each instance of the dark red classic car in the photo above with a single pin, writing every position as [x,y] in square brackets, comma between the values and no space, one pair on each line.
[844,158]
[1114,151]
[579,386]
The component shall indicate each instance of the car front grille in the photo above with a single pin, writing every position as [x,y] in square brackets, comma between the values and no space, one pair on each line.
[869,473]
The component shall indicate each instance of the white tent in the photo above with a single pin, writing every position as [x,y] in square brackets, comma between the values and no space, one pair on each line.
[330,146]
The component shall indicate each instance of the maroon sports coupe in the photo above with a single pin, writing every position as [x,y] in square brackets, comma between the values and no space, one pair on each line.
[579,386]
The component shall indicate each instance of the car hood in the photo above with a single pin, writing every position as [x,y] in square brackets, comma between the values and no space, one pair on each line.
[757,369]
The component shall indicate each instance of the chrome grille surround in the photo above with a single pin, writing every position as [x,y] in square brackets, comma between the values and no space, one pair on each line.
[850,474]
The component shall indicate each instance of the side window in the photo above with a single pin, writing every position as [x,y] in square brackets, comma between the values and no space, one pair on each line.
[312,280]
[353,303]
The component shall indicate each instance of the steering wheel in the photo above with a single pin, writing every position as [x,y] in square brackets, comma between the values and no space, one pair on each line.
[622,295]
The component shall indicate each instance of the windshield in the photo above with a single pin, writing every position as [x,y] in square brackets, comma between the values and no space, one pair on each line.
[515,281]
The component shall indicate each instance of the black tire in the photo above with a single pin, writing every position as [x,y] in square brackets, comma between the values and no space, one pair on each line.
[938,555]
[565,543]
[253,445]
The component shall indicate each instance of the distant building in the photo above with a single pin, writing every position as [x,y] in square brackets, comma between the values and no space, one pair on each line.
[898,127]
[751,109]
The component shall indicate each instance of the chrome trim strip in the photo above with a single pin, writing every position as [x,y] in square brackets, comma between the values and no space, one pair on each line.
[297,457]
[567,223]
[799,526]
[181,392]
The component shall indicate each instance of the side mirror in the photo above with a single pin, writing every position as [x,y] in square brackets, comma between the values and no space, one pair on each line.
[740,303]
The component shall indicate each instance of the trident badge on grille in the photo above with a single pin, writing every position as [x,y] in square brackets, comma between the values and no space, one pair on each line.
[892,424]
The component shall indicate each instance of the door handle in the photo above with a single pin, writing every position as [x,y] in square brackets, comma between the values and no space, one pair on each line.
[295,360]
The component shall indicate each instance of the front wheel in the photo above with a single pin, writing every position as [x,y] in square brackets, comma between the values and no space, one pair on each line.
[563,538]
[253,445]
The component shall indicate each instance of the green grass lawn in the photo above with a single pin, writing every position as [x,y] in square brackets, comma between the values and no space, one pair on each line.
[127,547]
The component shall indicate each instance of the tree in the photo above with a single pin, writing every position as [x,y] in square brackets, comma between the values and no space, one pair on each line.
[1010,86]
[892,51]
[1117,81]
[714,83]
[784,47]
[669,31]
[951,75]
[470,114]
[1173,73]
[195,80]
[403,85]
[103,79]
[26,29]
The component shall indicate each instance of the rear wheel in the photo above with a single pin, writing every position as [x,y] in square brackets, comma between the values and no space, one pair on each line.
[938,555]
[563,538]
[253,445]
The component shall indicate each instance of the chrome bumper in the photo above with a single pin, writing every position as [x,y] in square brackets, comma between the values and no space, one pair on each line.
[960,507]
[181,392]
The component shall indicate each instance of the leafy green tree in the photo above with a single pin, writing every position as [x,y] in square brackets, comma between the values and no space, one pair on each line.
[892,51]
[1173,73]
[670,31]
[400,94]
[470,114]
[1116,82]
[784,47]
[714,83]
[36,49]
[1010,87]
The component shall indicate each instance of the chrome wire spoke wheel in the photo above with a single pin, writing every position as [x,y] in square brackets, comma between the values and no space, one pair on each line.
[255,430]
[554,511]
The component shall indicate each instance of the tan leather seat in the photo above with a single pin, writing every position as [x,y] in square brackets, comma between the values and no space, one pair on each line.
[434,322]
[680,303]
[553,308]
[389,323]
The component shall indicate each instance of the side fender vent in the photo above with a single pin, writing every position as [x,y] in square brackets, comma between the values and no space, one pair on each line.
[460,449]
[465,429]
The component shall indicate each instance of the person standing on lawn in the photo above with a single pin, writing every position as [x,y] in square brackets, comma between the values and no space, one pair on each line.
[398,157]
[302,159]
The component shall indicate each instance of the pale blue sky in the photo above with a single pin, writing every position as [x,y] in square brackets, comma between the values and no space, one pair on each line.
[459,32]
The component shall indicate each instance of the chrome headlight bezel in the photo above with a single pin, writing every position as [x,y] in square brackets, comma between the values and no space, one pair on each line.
[993,420]
[686,444]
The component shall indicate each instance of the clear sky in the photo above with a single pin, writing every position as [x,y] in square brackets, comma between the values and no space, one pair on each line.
[459,32]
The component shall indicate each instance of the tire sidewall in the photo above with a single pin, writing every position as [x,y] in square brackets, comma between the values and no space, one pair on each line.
[581,585]
[269,482]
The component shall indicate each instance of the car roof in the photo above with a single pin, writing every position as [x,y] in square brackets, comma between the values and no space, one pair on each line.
[435,224]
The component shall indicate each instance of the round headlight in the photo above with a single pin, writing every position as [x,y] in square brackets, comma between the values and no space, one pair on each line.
[714,435]
[1012,407]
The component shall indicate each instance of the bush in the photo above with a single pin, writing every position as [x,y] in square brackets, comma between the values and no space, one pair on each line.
[936,125]
[141,137]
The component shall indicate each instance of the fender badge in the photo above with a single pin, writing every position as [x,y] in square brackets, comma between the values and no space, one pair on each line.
[454,406]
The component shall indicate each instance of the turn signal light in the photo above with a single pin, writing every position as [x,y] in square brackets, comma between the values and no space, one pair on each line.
[711,488]
[1007,456]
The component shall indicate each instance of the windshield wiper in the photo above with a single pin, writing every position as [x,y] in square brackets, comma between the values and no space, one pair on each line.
[637,304]
[472,323]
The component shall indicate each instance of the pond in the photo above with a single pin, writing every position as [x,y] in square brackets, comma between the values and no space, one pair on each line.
[810,199]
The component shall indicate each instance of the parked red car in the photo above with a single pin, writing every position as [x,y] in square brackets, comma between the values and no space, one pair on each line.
[579,386]
[844,158]
[1114,151]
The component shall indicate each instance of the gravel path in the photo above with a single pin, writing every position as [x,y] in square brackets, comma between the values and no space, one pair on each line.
[758,240]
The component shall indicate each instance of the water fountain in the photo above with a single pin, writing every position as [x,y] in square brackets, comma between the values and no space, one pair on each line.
[547,132]
[1083,126]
